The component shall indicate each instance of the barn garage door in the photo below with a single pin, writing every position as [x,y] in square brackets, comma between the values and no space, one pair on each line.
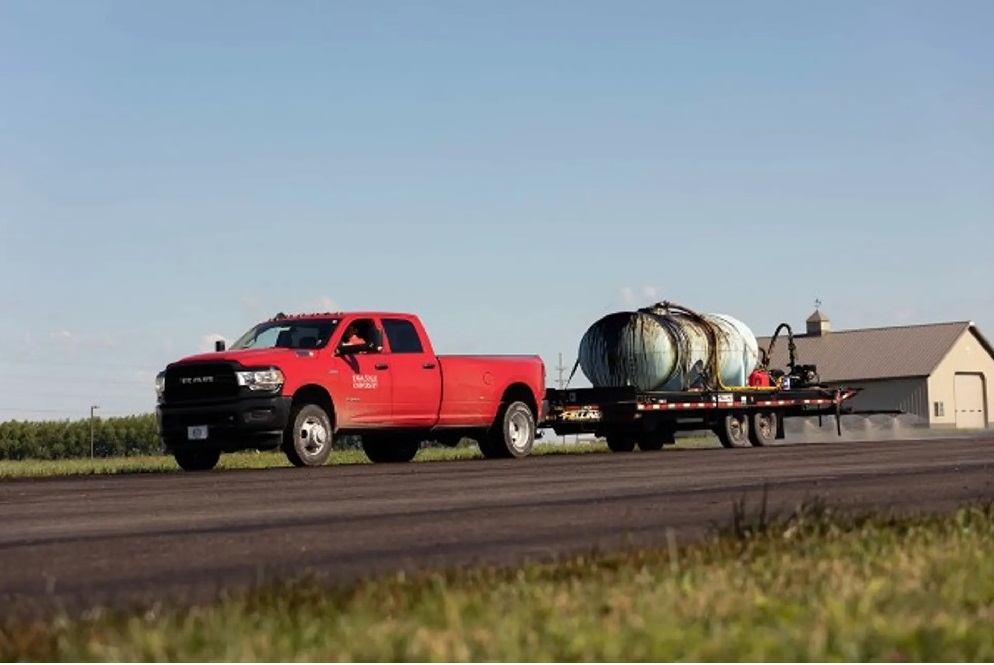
[970,412]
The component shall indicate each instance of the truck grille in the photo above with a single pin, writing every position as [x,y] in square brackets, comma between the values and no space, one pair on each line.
[200,381]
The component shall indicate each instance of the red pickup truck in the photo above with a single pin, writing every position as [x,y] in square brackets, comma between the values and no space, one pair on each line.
[296,382]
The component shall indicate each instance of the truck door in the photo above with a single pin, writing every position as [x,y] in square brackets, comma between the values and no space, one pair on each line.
[417,378]
[362,382]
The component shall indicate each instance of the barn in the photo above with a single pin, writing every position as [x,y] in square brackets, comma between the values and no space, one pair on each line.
[941,373]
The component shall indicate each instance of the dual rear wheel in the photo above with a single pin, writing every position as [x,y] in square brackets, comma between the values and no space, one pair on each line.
[740,430]
[512,434]
[734,430]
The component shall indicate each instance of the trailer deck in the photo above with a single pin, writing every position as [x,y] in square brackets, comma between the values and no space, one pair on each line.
[649,419]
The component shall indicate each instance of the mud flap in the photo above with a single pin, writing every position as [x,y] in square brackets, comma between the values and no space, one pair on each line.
[838,411]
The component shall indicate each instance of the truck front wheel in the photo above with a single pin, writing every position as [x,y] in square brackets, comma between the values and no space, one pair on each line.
[307,442]
[512,434]
[197,460]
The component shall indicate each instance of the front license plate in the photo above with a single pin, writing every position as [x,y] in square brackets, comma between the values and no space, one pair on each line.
[196,433]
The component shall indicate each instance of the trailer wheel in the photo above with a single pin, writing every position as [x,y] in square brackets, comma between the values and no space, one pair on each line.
[512,434]
[197,460]
[308,439]
[656,441]
[733,431]
[620,443]
[763,428]
[384,450]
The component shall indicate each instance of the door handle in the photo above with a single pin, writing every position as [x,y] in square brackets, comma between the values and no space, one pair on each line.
[381,366]
[429,366]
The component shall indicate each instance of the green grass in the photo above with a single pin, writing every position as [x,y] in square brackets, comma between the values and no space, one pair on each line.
[243,460]
[813,587]
[264,460]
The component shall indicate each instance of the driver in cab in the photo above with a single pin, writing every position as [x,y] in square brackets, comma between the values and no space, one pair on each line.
[352,336]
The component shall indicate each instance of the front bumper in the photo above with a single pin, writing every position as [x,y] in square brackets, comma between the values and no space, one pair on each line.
[240,424]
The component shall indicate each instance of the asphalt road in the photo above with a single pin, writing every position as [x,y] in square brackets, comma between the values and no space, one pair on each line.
[90,540]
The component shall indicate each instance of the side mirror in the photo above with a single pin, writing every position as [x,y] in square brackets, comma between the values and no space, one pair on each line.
[219,345]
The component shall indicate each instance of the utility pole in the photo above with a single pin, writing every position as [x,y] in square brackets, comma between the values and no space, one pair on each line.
[92,409]
[562,384]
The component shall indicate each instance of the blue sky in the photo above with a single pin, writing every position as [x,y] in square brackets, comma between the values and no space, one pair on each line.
[510,171]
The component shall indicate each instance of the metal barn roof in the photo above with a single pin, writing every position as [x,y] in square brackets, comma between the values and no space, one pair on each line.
[875,353]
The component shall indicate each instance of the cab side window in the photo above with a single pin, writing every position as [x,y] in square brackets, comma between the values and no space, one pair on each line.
[402,336]
[358,332]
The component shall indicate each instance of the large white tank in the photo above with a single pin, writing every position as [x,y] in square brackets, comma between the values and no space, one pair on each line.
[665,348]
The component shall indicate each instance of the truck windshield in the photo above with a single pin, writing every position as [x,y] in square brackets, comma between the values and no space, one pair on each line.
[307,334]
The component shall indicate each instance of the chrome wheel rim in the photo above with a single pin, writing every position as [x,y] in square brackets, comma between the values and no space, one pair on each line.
[519,432]
[736,429]
[312,436]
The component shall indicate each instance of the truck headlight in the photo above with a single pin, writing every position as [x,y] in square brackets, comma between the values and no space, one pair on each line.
[160,385]
[270,378]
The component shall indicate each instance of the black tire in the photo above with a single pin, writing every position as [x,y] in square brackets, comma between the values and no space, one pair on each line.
[488,448]
[656,440]
[309,437]
[512,434]
[621,443]
[763,428]
[197,460]
[733,431]
[386,450]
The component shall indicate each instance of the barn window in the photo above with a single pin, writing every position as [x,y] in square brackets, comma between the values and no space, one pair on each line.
[939,408]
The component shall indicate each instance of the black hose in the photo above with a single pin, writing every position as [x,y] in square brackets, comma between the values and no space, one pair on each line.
[791,348]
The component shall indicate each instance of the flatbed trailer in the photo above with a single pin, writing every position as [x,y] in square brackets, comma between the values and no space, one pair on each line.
[739,417]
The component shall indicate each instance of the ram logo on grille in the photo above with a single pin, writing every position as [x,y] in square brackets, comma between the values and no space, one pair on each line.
[196,379]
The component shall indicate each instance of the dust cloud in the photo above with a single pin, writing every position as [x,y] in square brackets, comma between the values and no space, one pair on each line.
[877,427]
[855,428]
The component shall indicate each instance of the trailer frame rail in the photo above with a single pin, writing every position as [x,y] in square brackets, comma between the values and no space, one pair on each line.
[632,417]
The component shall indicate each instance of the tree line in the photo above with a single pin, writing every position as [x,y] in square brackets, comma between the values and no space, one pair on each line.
[68,439]
[123,436]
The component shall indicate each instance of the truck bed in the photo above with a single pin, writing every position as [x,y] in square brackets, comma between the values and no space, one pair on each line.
[472,385]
